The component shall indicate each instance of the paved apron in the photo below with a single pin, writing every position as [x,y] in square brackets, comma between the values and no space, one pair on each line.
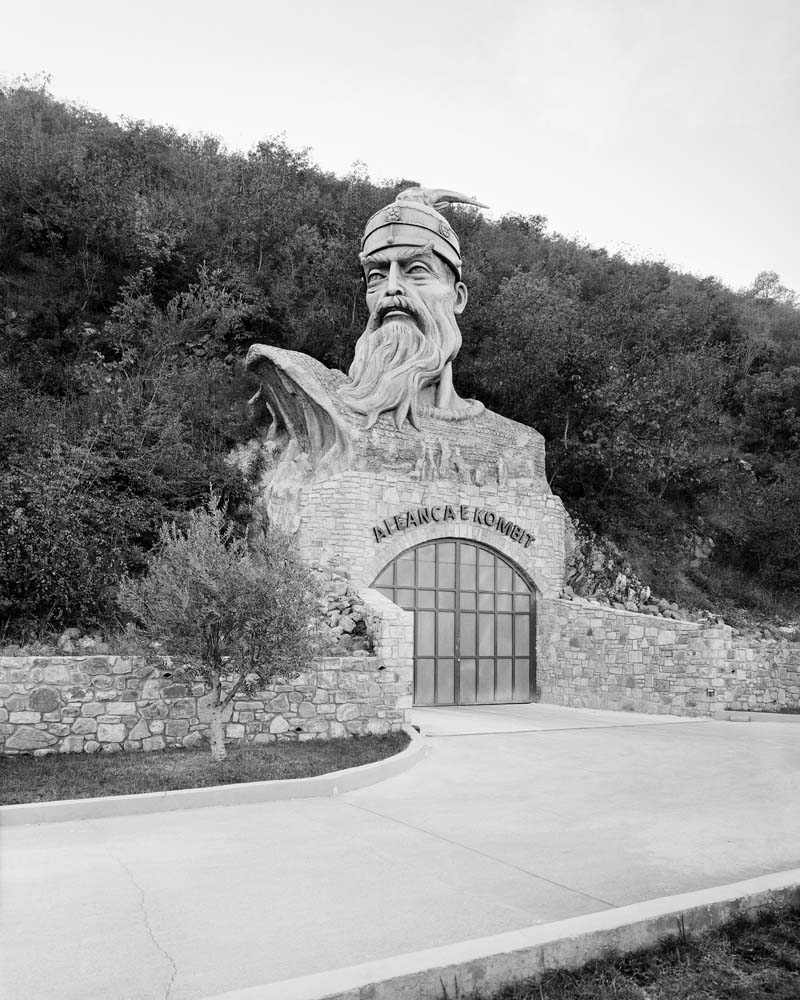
[522,815]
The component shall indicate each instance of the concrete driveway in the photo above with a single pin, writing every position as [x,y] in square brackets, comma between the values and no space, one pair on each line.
[521,815]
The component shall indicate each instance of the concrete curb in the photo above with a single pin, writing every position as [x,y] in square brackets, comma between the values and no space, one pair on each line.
[219,795]
[487,963]
[732,716]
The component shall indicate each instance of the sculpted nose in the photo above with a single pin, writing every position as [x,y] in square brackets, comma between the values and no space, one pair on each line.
[394,284]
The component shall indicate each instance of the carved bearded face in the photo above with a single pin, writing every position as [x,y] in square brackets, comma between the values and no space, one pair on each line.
[412,334]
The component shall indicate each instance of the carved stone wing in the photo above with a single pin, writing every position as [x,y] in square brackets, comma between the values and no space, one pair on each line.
[301,406]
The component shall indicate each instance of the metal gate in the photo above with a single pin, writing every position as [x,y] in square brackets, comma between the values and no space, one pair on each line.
[473,623]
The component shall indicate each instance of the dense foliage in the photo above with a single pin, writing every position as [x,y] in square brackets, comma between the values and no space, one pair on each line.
[240,614]
[137,265]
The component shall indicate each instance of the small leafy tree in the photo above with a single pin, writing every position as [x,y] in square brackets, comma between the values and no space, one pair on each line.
[239,614]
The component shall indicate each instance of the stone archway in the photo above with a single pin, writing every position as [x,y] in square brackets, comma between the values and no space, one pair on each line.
[474,622]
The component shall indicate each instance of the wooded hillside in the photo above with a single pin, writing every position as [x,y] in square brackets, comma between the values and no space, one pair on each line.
[137,265]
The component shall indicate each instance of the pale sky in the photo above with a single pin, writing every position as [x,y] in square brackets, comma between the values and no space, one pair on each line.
[667,129]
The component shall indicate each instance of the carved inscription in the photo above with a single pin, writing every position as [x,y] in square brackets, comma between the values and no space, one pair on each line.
[442,513]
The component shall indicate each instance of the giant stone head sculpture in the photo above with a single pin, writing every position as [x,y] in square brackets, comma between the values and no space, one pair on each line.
[411,260]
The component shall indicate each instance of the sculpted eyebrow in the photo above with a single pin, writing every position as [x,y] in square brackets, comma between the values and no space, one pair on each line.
[411,253]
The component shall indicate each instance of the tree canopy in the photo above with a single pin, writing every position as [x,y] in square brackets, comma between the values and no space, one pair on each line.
[138,264]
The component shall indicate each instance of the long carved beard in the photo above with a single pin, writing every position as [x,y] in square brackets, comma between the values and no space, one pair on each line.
[396,360]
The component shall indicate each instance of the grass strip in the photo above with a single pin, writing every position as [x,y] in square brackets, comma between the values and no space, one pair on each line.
[26,778]
[749,958]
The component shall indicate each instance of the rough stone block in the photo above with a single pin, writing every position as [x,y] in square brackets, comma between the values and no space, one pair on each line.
[140,731]
[110,732]
[183,708]
[176,728]
[44,700]
[121,708]
[83,727]
[248,706]
[318,726]
[175,691]
[155,710]
[56,673]
[27,738]
[234,731]
[346,712]
[151,689]
[153,743]
[279,725]
[16,718]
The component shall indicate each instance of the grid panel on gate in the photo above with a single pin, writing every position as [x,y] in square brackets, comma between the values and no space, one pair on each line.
[473,612]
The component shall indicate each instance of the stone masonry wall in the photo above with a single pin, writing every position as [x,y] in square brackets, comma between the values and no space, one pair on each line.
[590,656]
[333,519]
[74,704]
[90,703]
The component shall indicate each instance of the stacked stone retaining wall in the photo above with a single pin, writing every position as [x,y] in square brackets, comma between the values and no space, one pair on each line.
[591,656]
[91,703]
[74,704]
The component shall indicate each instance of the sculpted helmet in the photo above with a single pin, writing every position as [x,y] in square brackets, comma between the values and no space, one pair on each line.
[413,219]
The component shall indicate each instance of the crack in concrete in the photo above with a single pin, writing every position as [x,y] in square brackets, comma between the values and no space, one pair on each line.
[146,919]
[482,854]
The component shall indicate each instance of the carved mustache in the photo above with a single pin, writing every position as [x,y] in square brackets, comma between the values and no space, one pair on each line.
[393,302]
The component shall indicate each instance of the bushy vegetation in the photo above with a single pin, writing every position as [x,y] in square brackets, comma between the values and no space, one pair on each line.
[137,265]
[240,614]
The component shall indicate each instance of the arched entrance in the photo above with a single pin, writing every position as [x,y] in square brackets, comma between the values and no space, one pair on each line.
[474,616]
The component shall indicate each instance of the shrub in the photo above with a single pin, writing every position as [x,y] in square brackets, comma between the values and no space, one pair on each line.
[240,614]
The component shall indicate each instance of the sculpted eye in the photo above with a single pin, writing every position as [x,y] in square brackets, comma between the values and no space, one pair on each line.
[374,276]
[418,269]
